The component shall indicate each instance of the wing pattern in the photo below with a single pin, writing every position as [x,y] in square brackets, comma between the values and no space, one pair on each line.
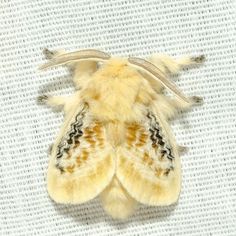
[147,166]
[82,164]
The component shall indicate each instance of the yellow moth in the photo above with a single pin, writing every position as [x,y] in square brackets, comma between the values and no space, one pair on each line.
[115,141]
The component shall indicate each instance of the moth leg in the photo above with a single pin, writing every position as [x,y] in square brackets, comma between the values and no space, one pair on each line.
[182,149]
[53,101]
[50,149]
[170,65]
[170,106]
[180,105]
[51,54]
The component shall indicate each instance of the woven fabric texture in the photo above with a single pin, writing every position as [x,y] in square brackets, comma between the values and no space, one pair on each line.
[207,205]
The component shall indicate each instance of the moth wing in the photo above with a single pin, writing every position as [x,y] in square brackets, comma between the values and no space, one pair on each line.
[147,166]
[82,161]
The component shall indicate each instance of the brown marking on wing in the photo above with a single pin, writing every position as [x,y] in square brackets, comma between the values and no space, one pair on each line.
[132,130]
[96,96]
[100,142]
[154,145]
[133,126]
[69,154]
[82,158]
[147,159]
[142,140]
[77,142]
[167,171]
[70,169]
[97,129]
[136,135]
[78,161]
[84,155]
[88,131]
[160,157]
[94,135]
[88,136]
[159,172]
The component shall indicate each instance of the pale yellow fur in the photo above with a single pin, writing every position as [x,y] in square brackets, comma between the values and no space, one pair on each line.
[116,200]
[118,94]
[67,189]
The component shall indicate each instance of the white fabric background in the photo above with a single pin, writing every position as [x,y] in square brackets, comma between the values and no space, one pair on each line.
[207,205]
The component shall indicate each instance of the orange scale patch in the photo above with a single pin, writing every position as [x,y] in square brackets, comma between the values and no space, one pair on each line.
[143,136]
[87,136]
[70,169]
[154,145]
[101,146]
[97,131]
[150,162]
[78,161]
[88,132]
[96,96]
[77,143]
[131,135]
[85,154]
[147,159]
[131,139]
[133,126]
[97,127]
[159,172]
[100,141]
[139,144]
[141,141]
[92,142]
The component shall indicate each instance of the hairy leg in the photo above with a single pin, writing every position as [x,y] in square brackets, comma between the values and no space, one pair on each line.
[170,65]
[170,106]
[182,149]
[53,101]
[62,103]
[51,54]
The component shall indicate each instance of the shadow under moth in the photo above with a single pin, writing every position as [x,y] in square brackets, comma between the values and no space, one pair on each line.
[115,141]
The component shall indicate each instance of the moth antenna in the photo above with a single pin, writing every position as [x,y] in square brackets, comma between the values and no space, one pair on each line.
[156,74]
[88,54]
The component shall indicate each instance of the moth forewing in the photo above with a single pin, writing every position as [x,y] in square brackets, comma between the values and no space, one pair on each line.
[74,175]
[149,177]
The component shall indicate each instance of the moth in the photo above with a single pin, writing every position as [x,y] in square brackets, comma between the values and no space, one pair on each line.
[116,141]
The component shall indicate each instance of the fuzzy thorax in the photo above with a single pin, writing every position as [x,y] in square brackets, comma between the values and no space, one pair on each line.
[117,92]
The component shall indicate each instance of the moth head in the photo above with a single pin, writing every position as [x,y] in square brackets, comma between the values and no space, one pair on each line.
[115,66]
